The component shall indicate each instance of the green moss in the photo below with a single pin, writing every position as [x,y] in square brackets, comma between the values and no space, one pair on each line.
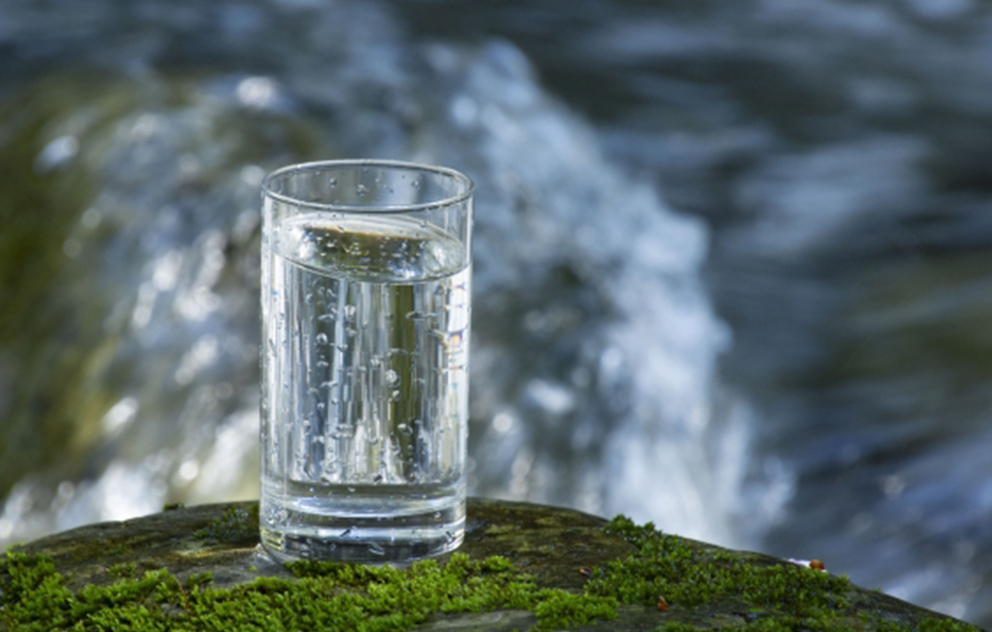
[235,524]
[676,627]
[780,597]
[772,596]
[124,570]
[105,549]
[323,596]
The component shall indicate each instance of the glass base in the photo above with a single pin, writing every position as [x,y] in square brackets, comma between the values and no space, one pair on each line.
[343,536]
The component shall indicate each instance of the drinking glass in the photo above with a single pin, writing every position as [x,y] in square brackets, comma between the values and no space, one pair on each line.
[366,300]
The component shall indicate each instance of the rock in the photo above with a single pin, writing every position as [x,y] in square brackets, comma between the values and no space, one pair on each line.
[110,183]
[557,569]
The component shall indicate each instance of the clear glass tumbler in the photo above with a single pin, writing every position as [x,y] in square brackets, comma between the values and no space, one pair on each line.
[366,300]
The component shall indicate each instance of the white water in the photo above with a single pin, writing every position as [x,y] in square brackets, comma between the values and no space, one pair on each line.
[593,373]
[593,380]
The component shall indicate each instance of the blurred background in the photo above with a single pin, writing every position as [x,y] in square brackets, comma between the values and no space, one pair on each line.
[733,261]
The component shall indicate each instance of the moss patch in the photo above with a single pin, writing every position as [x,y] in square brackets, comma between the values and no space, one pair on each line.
[235,524]
[323,596]
[675,576]
[650,582]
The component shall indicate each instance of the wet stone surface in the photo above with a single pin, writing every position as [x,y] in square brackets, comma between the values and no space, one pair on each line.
[222,539]
[559,548]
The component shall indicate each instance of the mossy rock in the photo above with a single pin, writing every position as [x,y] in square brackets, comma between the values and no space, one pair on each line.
[92,166]
[522,567]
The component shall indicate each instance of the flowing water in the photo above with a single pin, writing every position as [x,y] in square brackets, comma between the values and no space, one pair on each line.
[794,359]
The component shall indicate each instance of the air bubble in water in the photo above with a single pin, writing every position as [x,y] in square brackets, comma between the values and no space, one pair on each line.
[392,378]
[321,339]
[361,190]
[376,549]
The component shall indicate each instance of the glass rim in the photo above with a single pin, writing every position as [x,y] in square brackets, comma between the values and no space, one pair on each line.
[318,165]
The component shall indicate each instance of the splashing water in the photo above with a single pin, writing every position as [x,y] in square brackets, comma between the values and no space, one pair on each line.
[593,376]
[837,150]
